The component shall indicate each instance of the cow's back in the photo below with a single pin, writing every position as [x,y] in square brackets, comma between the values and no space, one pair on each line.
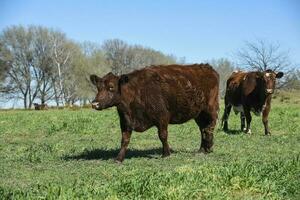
[181,92]
[234,87]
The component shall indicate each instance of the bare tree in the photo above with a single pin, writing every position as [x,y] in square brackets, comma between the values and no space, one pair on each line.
[61,54]
[124,58]
[18,52]
[69,73]
[225,68]
[43,62]
[40,63]
[4,65]
[92,61]
[142,56]
[116,55]
[292,80]
[262,55]
[89,48]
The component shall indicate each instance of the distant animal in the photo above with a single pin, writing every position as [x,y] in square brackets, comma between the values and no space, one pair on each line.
[250,91]
[161,95]
[40,106]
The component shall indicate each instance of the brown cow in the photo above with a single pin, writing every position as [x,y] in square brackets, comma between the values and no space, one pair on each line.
[250,91]
[40,106]
[161,95]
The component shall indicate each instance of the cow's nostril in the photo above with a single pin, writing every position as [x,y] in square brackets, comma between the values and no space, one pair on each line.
[95,105]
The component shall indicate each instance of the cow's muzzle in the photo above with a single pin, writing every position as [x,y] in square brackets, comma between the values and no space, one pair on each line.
[96,105]
[269,91]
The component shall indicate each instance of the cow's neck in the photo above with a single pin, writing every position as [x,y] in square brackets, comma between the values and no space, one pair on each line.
[262,98]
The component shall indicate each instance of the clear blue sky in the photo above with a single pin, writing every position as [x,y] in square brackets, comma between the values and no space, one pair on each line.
[197,30]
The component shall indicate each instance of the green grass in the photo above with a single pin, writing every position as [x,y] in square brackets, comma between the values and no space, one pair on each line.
[63,154]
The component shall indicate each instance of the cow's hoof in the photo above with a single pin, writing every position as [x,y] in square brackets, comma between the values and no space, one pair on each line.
[165,155]
[268,134]
[248,131]
[118,161]
[205,150]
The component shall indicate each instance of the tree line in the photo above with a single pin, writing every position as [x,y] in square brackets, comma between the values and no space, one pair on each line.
[40,64]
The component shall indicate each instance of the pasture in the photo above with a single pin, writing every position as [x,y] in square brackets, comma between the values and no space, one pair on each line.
[66,154]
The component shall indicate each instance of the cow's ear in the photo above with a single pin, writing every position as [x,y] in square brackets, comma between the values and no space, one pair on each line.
[123,79]
[94,79]
[279,74]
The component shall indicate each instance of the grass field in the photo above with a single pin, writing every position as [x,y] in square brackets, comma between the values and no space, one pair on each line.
[64,154]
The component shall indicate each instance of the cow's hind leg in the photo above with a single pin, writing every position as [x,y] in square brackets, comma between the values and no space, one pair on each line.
[206,122]
[163,136]
[226,114]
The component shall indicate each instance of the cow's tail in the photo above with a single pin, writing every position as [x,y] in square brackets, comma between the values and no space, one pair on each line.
[225,115]
[222,120]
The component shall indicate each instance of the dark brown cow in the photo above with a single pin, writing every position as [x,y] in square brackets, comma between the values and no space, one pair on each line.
[40,106]
[161,95]
[250,91]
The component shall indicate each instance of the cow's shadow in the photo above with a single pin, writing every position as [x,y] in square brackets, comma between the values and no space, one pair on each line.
[107,154]
[234,132]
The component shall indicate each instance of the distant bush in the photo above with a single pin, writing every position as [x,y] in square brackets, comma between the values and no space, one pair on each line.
[287,96]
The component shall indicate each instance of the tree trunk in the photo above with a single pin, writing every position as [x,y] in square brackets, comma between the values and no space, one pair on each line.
[56,97]
[30,103]
[60,84]
[43,98]
[25,102]
[25,99]
[29,100]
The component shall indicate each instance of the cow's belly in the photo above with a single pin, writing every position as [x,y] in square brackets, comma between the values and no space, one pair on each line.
[183,116]
[238,109]
[179,119]
[186,109]
[140,124]
[141,127]
[257,112]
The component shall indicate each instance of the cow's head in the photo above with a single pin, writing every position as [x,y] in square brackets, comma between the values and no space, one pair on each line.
[108,87]
[269,78]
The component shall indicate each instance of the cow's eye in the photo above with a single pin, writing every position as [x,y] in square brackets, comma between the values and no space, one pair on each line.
[111,88]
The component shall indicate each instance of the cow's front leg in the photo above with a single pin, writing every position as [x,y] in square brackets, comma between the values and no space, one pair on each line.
[265,120]
[163,136]
[242,116]
[124,144]
[248,120]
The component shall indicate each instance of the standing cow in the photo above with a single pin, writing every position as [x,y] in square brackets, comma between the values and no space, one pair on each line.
[161,95]
[250,91]
[40,106]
